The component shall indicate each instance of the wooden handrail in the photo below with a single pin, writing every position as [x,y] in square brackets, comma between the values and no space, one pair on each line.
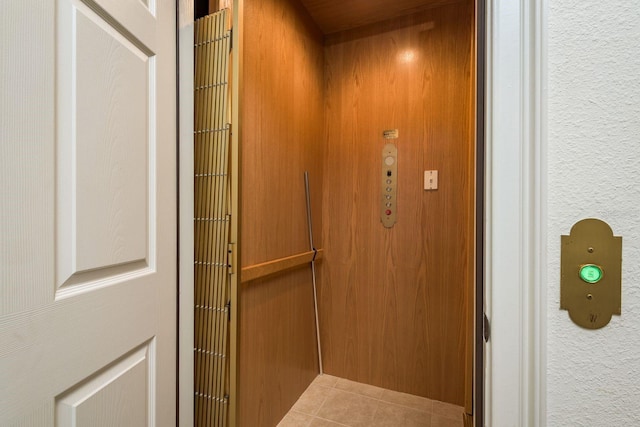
[275,266]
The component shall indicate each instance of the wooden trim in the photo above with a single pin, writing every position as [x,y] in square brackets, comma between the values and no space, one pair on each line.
[276,266]
[478,370]
[237,46]
[185,215]
[471,278]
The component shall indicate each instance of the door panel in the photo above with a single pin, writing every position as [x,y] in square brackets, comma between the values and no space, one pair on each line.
[105,145]
[117,396]
[88,241]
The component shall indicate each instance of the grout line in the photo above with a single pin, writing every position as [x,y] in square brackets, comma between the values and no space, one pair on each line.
[386,401]
[375,412]
[324,400]
[332,421]
[395,403]
[302,413]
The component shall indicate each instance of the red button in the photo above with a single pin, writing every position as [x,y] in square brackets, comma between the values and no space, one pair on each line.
[388,211]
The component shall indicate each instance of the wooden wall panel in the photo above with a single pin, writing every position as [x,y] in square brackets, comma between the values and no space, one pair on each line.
[334,16]
[393,301]
[277,346]
[282,129]
[281,120]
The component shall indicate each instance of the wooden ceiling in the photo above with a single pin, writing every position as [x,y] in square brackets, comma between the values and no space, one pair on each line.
[338,15]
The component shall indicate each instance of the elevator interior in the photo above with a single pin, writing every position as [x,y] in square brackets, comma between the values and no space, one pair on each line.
[323,87]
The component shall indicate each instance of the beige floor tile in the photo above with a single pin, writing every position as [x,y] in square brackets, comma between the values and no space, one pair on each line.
[319,422]
[312,399]
[334,402]
[326,380]
[390,415]
[296,419]
[447,410]
[349,409]
[409,400]
[439,421]
[359,388]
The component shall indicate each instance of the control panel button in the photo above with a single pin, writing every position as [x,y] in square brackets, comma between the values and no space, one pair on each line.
[591,273]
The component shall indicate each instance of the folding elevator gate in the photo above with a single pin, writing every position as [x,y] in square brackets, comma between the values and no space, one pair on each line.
[212,219]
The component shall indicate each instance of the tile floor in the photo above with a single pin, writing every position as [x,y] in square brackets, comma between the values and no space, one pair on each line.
[331,401]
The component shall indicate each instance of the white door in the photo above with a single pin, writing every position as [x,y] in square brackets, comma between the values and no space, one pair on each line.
[87,213]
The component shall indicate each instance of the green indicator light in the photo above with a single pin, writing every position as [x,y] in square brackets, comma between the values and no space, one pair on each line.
[591,273]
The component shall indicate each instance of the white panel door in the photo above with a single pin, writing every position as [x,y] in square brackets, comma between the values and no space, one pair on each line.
[88,213]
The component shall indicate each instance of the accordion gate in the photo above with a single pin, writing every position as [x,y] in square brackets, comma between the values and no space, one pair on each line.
[212,219]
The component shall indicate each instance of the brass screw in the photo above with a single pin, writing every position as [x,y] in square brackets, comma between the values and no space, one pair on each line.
[590,250]
[589,297]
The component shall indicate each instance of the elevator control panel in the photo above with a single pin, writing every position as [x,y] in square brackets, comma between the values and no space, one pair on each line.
[389,186]
[591,274]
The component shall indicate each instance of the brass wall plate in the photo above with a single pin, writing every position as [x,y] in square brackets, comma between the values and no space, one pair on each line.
[591,274]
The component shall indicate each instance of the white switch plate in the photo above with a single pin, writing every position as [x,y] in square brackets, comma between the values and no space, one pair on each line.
[430,180]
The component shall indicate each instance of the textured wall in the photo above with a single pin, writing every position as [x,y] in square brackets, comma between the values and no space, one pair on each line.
[593,170]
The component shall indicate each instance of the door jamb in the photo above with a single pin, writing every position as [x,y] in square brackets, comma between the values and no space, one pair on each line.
[515,209]
[185,339]
[480,172]
[515,262]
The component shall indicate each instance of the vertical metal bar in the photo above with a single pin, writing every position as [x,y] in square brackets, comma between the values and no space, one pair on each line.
[200,268]
[221,214]
[213,256]
[216,214]
[313,268]
[210,268]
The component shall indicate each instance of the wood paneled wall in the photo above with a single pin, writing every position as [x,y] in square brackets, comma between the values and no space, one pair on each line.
[281,120]
[393,302]
[335,16]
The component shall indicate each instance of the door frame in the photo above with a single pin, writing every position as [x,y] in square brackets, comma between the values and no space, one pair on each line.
[516,212]
[513,266]
[185,65]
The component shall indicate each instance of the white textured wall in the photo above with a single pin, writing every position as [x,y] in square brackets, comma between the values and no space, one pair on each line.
[594,171]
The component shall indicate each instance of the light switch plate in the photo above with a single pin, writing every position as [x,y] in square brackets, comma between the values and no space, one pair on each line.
[430,180]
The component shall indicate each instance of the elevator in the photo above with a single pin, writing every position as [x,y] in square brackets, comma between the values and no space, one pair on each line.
[325,87]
